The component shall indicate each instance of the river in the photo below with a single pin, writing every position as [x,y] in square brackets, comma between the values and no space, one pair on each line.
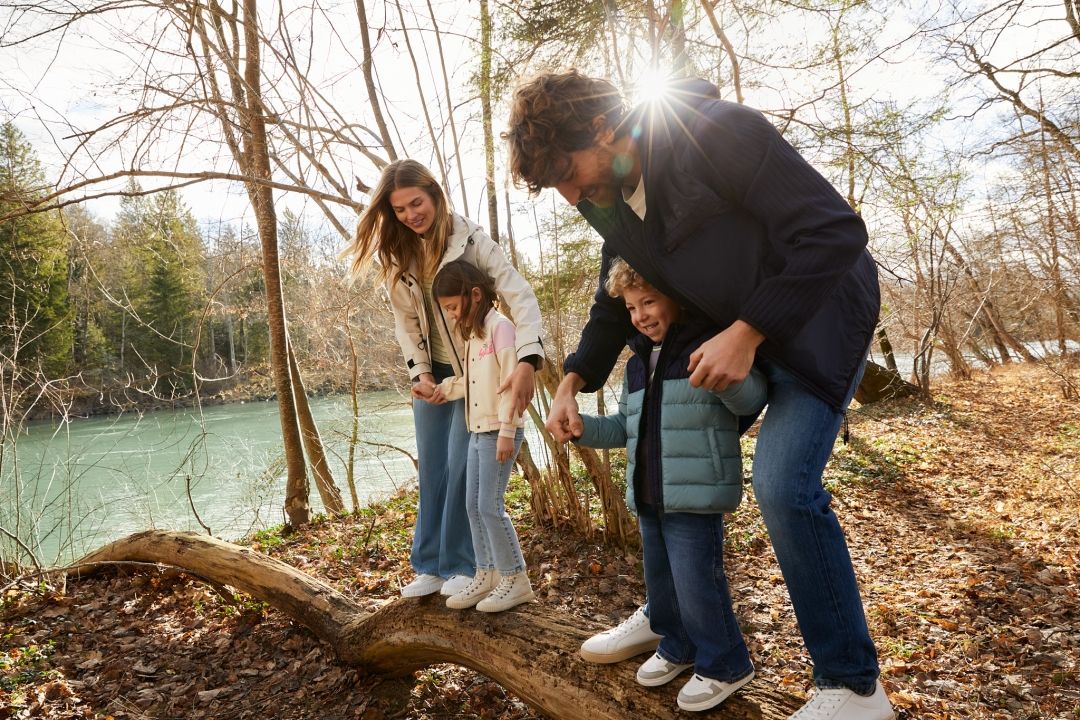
[77,485]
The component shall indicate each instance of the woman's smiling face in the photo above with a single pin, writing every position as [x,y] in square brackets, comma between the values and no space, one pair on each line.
[413,208]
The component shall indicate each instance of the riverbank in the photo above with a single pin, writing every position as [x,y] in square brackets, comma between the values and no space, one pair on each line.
[960,515]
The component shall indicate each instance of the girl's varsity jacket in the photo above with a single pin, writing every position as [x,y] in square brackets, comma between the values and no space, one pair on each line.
[488,362]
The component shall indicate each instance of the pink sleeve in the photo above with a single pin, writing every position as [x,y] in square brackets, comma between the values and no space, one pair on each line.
[504,336]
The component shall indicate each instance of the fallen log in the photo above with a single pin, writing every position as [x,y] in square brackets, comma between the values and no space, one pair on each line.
[532,650]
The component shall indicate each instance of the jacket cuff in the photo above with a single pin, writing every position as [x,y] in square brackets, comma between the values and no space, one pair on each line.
[508,431]
[533,348]
[418,369]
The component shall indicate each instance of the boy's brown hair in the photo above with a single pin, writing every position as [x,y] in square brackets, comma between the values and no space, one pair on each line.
[621,276]
[553,115]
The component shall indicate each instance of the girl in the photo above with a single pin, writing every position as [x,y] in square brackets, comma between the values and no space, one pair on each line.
[409,230]
[467,296]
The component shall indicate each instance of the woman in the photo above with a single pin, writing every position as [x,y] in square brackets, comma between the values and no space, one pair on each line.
[410,231]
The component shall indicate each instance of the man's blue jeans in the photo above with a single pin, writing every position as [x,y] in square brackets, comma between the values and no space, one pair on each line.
[689,600]
[793,445]
[442,542]
[493,536]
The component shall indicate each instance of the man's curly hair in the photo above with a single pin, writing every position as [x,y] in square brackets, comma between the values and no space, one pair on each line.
[552,116]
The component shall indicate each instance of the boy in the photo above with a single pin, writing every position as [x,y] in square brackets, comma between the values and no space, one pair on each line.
[684,470]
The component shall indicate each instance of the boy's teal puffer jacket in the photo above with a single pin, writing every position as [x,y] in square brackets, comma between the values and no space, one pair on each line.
[692,434]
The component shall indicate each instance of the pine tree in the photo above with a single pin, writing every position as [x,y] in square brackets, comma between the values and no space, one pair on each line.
[35,318]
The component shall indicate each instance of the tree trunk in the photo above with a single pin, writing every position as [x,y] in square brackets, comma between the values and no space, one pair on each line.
[485,112]
[324,480]
[257,158]
[532,651]
[880,383]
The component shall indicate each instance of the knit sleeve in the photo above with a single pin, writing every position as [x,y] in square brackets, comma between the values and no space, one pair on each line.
[604,334]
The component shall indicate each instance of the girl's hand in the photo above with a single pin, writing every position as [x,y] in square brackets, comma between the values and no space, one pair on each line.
[424,387]
[504,448]
[437,396]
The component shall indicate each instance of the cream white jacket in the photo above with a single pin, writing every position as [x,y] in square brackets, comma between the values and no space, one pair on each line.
[489,361]
[469,242]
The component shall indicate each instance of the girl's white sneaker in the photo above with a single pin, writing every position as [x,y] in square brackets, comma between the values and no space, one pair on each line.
[482,583]
[511,591]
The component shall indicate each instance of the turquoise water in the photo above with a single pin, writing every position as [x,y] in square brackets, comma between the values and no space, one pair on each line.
[71,487]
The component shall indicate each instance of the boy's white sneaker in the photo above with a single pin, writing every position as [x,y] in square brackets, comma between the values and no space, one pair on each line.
[421,585]
[478,588]
[631,637]
[844,704]
[657,671]
[511,591]
[455,584]
[702,693]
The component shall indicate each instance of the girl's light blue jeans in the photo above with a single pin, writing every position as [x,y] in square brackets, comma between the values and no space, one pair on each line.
[442,542]
[793,445]
[493,536]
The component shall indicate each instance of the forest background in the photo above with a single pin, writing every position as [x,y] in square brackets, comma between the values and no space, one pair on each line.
[176,180]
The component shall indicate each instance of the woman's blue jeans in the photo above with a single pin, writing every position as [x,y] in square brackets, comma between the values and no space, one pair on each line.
[493,536]
[793,445]
[689,600]
[442,542]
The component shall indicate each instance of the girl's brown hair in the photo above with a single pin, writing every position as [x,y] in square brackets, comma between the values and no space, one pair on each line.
[457,279]
[380,235]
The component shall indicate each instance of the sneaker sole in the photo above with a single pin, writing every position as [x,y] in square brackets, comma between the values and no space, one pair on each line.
[414,594]
[713,702]
[465,604]
[663,679]
[621,654]
[517,601]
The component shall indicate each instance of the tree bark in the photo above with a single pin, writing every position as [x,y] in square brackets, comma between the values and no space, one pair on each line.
[313,444]
[531,651]
[880,383]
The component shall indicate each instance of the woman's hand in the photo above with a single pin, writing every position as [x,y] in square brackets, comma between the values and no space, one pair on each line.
[522,385]
[424,387]
[725,358]
[504,448]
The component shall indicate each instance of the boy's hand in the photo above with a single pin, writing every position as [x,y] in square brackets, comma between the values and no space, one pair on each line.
[504,448]
[726,357]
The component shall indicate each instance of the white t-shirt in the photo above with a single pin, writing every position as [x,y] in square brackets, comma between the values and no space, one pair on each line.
[636,199]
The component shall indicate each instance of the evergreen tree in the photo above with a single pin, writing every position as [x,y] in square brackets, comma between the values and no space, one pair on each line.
[35,318]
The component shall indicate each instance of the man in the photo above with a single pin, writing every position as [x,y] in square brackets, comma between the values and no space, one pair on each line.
[714,208]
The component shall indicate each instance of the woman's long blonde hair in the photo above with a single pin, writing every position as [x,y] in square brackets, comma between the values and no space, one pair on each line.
[381,236]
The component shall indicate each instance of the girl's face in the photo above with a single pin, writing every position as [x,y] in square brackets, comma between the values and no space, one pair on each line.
[414,208]
[651,311]
[460,308]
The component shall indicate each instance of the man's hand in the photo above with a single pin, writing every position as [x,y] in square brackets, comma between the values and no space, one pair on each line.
[725,358]
[564,422]
[504,448]
[522,385]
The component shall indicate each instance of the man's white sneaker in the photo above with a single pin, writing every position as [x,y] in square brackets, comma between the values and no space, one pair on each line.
[702,693]
[844,704]
[455,584]
[511,591]
[477,589]
[631,637]
[422,585]
[657,671]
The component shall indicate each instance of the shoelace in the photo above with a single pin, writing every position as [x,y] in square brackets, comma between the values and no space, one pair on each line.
[503,588]
[473,586]
[821,705]
[625,627]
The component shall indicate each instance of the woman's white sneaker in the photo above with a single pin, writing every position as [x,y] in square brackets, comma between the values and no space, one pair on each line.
[844,704]
[422,585]
[657,671]
[631,637]
[511,591]
[455,584]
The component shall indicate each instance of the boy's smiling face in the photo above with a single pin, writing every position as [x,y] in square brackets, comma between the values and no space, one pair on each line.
[652,312]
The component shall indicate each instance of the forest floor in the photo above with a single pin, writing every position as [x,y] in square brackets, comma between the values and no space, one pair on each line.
[963,518]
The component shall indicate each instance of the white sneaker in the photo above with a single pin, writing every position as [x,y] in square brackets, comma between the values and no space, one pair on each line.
[702,693]
[657,671]
[631,637]
[455,584]
[844,704]
[511,591]
[478,588]
[423,584]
